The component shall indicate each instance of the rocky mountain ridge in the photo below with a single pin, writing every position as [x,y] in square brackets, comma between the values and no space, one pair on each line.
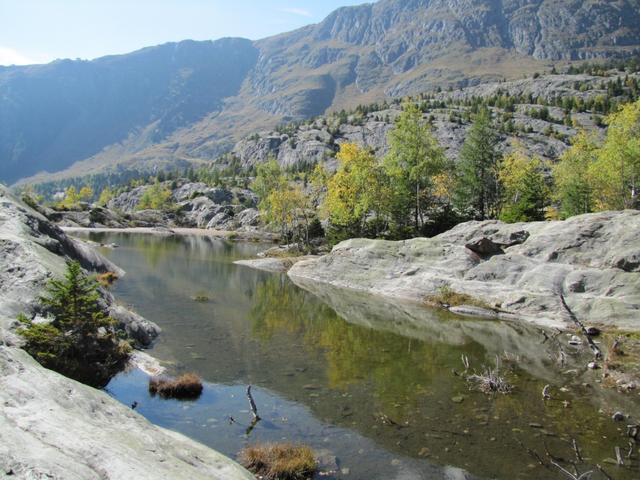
[518,121]
[191,101]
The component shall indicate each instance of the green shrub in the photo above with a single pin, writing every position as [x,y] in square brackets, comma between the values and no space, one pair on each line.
[80,342]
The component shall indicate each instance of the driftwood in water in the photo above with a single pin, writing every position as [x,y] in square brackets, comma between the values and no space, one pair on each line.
[252,404]
[594,348]
[254,412]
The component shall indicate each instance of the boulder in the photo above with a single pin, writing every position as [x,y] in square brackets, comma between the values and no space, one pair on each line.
[199,211]
[249,217]
[128,201]
[189,191]
[138,328]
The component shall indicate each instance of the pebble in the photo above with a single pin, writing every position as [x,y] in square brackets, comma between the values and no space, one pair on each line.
[618,417]
[424,452]
[593,331]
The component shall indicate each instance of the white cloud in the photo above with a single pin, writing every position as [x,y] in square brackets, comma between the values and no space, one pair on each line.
[297,11]
[9,56]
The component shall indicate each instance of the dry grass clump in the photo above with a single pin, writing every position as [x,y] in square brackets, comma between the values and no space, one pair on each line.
[490,382]
[448,297]
[201,298]
[185,387]
[279,461]
[106,279]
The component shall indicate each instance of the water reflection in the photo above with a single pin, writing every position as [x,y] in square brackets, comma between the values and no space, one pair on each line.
[366,380]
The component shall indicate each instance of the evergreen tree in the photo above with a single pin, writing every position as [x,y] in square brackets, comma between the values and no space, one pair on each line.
[80,342]
[477,185]
[414,159]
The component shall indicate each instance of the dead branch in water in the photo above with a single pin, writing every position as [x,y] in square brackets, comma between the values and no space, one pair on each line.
[254,412]
[594,348]
[554,463]
[252,404]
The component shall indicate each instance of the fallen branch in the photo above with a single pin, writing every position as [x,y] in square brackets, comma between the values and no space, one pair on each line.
[252,404]
[594,348]
[577,450]
[606,475]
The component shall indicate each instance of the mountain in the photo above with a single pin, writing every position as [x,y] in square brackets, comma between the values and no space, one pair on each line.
[52,115]
[192,101]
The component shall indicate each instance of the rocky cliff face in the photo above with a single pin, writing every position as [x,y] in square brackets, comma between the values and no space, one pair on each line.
[191,101]
[54,427]
[520,270]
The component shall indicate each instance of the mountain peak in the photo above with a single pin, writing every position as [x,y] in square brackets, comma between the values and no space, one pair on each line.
[195,99]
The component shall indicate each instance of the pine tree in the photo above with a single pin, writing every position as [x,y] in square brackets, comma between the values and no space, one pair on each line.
[477,185]
[80,342]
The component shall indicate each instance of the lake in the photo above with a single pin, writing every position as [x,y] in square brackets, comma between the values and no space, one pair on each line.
[376,387]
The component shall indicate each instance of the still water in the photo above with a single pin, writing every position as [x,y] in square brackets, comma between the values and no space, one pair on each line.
[375,387]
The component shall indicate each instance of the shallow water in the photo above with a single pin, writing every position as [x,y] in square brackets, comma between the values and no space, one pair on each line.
[375,387]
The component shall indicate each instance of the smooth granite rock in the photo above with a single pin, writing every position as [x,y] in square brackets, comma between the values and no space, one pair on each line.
[52,427]
[591,259]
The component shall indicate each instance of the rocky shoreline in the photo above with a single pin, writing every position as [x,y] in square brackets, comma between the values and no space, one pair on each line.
[54,427]
[515,271]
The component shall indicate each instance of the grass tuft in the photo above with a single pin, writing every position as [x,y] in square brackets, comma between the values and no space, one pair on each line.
[185,387]
[447,297]
[279,461]
[107,279]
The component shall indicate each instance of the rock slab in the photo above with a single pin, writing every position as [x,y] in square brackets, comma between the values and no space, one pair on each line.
[591,259]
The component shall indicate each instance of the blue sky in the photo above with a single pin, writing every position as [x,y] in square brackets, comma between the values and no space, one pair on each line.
[39,31]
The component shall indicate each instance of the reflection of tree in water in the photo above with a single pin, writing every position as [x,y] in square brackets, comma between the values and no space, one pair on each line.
[396,369]
[155,247]
[380,376]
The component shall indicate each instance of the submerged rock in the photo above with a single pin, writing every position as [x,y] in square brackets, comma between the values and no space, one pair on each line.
[579,258]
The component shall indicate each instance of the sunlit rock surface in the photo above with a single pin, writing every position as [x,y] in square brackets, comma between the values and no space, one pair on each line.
[592,259]
[54,427]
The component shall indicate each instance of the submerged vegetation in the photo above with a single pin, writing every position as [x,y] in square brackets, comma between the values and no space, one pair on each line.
[79,341]
[279,461]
